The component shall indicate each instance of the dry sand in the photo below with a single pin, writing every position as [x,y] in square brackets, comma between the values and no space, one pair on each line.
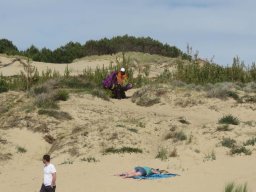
[98,124]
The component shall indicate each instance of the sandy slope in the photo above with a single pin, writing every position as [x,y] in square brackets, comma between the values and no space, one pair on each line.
[98,124]
[138,60]
[24,171]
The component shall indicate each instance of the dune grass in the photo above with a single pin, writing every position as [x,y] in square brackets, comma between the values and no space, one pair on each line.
[229,119]
[232,187]
[162,154]
[122,150]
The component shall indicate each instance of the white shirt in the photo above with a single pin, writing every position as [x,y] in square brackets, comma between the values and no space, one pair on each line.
[48,171]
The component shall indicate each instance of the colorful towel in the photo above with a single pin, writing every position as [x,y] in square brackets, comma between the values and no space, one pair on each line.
[156,176]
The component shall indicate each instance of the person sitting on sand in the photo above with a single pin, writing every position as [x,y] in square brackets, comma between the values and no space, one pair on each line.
[117,82]
[140,171]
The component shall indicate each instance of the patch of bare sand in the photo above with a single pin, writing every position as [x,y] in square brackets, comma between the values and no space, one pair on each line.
[98,124]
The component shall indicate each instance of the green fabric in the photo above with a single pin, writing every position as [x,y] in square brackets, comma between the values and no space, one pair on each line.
[148,170]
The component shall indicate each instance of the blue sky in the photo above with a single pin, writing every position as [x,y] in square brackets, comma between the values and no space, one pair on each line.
[220,28]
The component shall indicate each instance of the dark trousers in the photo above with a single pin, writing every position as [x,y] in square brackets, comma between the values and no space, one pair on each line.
[119,91]
[47,188]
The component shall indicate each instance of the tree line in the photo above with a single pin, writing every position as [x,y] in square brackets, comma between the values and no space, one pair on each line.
[105,46]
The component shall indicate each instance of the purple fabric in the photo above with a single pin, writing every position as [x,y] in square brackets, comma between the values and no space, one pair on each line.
[110,80]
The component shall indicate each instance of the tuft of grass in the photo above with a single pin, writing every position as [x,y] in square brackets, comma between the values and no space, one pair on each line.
[122,150]
[3,85]
[5,156]
[46,101]
[67,162]
[251,141]
[162,154]
[224,127]
[60,115]
[21,149]
[210,157]
[231,187]
[239,150]
[229,119]
[90,159]
[233,95]
[180,136]
[100,93]
[61,95]
[229,143]
[133,130]
[148,95]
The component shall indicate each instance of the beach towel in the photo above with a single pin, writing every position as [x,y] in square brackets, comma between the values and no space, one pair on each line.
[156,176]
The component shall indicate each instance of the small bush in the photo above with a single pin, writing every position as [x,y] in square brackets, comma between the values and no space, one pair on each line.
[219,91]
[229,119]
[162,154]
[100,93]
[249,99]
[40,89]
[229,143]
[122,150]
[233,95]
[148,95]
[21,149]
[251,141]
[239,150]
[210,157]
[3,85]
[180,136]
[60,115]
[89,160]
[231,187]
[46,101]
[61,95]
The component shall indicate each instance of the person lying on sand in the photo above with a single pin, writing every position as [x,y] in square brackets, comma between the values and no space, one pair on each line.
[141,171]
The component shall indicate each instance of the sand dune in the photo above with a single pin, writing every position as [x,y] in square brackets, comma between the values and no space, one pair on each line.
[99,124]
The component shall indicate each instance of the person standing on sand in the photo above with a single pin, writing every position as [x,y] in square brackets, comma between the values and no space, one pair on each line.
[49,184]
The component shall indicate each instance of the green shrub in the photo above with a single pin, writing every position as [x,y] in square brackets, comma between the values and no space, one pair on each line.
[231,187]
[46,101]
[21,149]
[239,150]
[122,150]
[251,141]
[89,159]
[180,136]
[233,95]
[3,85]
[229,119]
[149,95]
[61,95]
[210,157]
[162,154]
[229,143]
